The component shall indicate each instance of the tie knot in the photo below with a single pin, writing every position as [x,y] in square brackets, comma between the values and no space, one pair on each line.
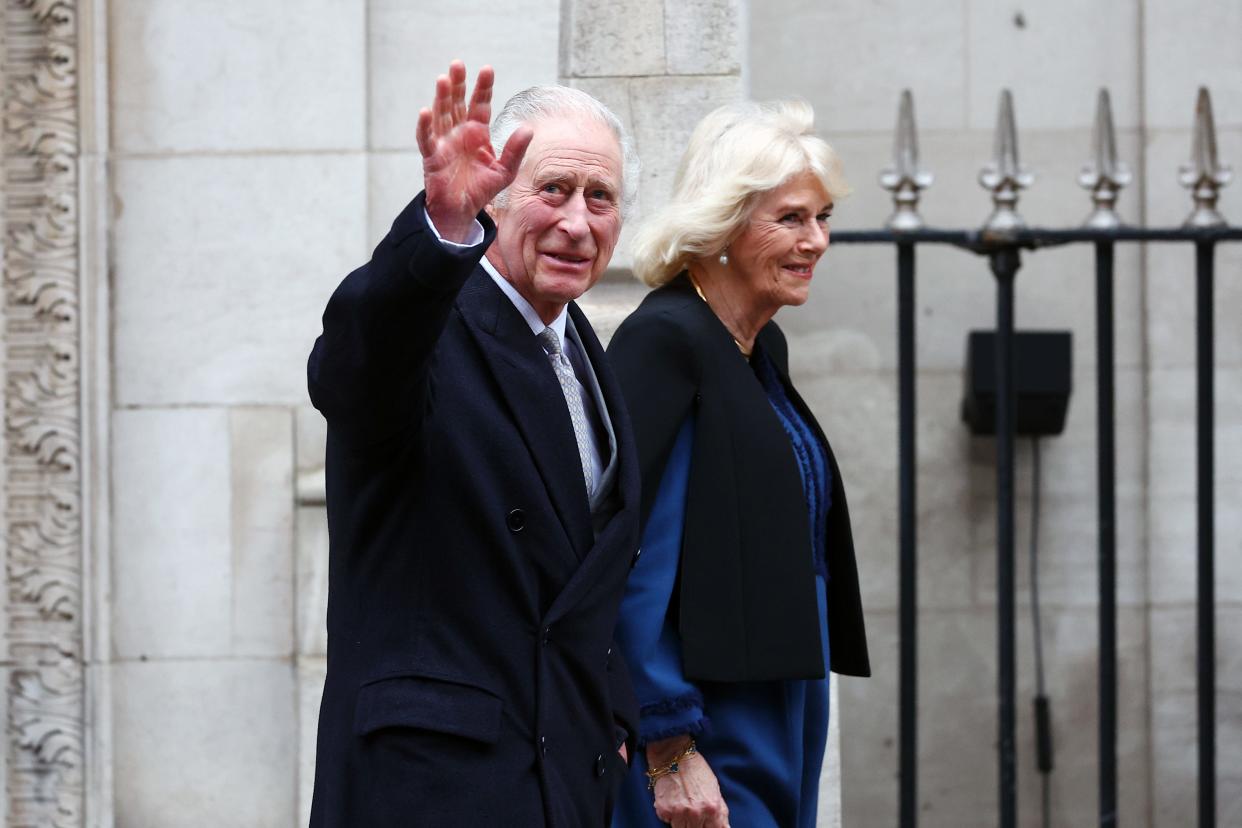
[550,342]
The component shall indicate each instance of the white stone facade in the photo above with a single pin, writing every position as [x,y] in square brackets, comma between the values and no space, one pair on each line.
[186,182]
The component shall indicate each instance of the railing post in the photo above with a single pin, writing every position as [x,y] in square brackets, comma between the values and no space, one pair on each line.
[1206,591]
[1106,479]
[1005,263]
[908,578]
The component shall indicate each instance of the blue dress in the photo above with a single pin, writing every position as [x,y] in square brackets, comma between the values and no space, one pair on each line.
[763,740]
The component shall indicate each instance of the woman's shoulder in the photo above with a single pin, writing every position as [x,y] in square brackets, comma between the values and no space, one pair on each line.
[668,316]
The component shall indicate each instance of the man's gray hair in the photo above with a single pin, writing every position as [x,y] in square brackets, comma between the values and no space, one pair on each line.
[537,103]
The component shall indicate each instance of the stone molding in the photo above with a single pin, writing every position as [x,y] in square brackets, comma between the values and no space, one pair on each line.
[42,480]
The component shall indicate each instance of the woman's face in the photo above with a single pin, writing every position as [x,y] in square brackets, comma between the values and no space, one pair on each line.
[776,252]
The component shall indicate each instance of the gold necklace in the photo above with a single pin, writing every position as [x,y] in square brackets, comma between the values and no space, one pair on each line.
[695,282]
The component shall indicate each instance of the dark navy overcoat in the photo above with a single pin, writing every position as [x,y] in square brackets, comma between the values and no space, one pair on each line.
[471,678]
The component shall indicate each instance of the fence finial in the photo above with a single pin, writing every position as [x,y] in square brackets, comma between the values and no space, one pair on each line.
[1104,175]
[904,178]
[1003,176]
[1204,175]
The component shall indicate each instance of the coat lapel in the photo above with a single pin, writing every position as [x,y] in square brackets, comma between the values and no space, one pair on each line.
[529,387]
[618,538]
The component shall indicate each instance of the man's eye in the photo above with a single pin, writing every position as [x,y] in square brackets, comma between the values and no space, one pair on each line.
[552,188]
[601,195]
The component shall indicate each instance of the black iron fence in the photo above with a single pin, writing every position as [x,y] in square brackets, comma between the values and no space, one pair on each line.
[1003,239]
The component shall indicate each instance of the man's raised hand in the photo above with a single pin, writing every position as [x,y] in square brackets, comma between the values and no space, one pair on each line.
[461,172]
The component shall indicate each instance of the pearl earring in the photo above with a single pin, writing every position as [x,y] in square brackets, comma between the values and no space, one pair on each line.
[724,258]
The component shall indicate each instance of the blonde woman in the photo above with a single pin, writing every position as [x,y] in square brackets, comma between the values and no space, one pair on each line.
[746,590]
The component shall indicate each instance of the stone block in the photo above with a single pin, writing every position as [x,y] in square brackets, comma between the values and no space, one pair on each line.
[665,111]
[311,673]
[703,38]
[394,179]
[218,295]
[205,743]
[310,437]
[1173,500]
[261,473]
[1187,45]
[852,60]
[1078,48]
[610,39]
[171,551]
[1170,274]
[312,580]
[233,75]
[1174,717]
[410,44]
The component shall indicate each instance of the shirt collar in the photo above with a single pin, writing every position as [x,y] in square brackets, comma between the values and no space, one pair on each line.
[519,301]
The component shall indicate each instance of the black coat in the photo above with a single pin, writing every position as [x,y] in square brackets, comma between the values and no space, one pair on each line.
[471,678]
[747,603]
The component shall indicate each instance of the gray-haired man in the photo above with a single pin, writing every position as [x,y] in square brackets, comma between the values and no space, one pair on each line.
[482,483]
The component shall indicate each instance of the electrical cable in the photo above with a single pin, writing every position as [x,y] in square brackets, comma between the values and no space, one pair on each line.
[1043,717]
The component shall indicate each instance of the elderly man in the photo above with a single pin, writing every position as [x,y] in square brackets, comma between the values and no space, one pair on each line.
[482,483]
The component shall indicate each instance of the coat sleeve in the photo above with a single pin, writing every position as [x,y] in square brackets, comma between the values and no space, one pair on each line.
[368,371]
[669,703]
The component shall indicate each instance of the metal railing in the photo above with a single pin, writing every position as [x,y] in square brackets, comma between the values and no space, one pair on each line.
[1001,239]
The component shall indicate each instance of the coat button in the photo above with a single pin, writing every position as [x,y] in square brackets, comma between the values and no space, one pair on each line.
[516,520]
[600,765]
[547,636]
[543,745]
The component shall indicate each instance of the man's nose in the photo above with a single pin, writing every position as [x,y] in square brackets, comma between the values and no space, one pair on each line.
[574,214]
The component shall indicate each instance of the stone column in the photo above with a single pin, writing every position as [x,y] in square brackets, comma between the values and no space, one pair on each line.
[661,66]
[42,647]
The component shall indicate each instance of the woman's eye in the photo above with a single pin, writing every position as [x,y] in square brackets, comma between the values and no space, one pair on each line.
[822,218]
[791,218]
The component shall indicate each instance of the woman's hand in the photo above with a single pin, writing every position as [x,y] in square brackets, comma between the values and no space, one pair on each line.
[461,173]
[691,797]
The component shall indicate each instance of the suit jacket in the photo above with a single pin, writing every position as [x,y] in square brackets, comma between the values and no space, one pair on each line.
[747,606]
[471,678]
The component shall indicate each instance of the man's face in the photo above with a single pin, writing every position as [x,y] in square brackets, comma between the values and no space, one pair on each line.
[556,233]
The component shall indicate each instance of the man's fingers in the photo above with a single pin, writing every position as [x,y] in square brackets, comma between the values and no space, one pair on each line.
[515,148]
[481,98]
[425,143]
[442,109]
[457,81]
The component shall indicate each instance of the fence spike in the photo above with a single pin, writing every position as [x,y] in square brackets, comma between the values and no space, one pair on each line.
[1104,175]
[904,179]
[1204,175]
[1004,176]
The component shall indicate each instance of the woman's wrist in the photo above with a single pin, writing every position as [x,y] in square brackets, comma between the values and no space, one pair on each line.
[663,751]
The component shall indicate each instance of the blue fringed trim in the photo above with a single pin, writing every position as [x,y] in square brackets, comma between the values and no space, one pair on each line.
[676,704]
[692,729]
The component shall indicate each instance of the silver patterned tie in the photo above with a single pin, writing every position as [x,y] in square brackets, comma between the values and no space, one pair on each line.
[569,385]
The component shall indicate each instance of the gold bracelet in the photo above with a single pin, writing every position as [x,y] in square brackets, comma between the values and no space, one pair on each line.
[671,767]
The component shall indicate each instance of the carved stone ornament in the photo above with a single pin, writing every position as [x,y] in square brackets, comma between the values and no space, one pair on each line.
[42,479]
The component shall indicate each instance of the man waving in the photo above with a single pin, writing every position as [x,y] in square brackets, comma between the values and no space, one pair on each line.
[482,483]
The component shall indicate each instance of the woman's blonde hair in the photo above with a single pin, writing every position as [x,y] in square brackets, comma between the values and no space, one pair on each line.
[735,153]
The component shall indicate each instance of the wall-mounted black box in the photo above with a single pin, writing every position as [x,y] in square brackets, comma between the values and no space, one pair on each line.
[1041,380]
